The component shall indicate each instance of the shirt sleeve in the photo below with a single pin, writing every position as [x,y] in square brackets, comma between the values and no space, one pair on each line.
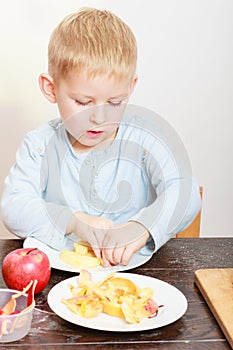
[24,211]
[177,199]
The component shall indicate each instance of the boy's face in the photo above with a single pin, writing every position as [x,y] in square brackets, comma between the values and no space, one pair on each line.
[92,107]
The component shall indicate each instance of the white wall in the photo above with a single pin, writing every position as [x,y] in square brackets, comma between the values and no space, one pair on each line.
[185,74]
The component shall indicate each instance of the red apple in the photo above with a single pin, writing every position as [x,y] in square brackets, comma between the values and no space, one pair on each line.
[22,265]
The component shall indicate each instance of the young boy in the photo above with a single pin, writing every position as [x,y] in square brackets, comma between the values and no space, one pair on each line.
[107,173]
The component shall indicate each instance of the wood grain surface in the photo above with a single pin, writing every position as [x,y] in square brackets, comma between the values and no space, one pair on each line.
[216,286]
[175,263]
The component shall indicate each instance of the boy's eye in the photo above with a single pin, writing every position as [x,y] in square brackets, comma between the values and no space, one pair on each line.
[86,103]
[115,104]
[83,103]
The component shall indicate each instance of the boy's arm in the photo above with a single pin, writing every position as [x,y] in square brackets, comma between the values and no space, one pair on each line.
[166,216]
[177,199]
[24,211]
[154,225]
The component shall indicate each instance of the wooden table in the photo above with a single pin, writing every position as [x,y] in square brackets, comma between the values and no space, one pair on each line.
[174,263]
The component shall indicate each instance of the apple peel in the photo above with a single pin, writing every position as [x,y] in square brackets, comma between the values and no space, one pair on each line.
[115,296]
[9,308]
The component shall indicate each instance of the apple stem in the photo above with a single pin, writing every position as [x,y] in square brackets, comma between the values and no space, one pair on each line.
[31,250]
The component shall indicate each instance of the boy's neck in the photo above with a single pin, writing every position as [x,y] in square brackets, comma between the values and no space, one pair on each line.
[80,148]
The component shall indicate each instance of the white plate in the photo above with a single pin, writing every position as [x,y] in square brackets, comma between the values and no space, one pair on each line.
[137,259]
[175,305]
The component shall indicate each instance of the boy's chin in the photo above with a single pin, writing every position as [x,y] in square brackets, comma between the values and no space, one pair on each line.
[80,146]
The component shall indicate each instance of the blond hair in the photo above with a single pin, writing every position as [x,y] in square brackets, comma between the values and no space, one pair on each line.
[95,40]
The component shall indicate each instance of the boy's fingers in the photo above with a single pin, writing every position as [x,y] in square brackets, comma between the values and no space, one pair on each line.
[106,263]
[97,252]
[127,254]
[118,254]
[107,255]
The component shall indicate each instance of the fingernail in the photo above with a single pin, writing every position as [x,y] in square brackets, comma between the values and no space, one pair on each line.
[106,263]
[97,253]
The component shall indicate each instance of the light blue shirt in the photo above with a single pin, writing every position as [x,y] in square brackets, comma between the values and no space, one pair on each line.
[144,175]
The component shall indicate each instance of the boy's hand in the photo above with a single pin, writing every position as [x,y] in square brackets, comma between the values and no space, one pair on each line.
[91,229]
[114,244]
[121,242]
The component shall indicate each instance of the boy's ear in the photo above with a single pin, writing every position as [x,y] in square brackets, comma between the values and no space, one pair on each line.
[46,83]
[133,84]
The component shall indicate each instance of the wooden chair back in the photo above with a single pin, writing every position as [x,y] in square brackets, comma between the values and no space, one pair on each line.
[193,230]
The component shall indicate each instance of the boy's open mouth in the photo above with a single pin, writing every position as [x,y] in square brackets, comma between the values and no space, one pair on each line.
[94,133]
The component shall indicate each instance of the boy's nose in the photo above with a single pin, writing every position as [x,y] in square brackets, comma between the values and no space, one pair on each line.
[98,114]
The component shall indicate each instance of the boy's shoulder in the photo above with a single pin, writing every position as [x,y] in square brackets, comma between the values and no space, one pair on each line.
[41,136]
[46,130]
[144,122]
[136,123]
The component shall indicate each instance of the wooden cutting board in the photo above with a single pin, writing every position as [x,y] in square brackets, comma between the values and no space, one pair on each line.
[216,286]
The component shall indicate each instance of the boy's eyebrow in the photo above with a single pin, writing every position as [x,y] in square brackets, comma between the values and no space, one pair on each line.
[118,96]
[110,98]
